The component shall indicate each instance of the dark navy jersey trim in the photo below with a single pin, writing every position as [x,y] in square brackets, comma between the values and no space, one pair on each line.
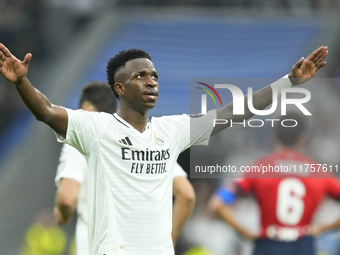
[120,121]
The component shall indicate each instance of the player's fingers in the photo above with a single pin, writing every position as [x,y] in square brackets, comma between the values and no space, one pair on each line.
[319,55]
[322,56]
[27,58]
[299,63]
[2,56]
[313,55]
[322,64]
[318,63]
[5,51]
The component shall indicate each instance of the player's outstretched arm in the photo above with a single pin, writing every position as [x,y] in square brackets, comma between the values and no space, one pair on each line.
[225,212]
[15,71]
[184,203]
[66,200]
[301,72]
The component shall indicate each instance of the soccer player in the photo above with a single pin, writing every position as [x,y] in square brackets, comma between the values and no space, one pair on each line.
[131,158]
[287,200]
[71,177]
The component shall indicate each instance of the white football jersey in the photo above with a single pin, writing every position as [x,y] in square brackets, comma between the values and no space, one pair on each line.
[73,165]
[178,171]
[130,177]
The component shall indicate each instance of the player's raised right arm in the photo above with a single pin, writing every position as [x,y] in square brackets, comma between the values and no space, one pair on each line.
[14,70]
[302,71]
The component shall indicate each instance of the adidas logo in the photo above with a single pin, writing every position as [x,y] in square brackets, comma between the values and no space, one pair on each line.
[125,141]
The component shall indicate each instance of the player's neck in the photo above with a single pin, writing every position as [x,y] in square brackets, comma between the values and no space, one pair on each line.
[136,119]
[293,147]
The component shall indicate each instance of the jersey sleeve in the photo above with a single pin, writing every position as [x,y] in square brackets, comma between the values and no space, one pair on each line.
[83,129]
[333,188]
[72,165]
[201,128]
[194,130]
[190,130]
[178,171]
[244,185]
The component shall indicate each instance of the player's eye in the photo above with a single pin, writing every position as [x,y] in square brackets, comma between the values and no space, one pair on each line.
[155,77]
[139,76]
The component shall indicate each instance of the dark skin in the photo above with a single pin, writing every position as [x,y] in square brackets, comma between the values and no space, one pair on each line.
[137,87]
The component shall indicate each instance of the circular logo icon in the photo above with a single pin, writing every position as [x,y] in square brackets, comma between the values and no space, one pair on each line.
[158,139]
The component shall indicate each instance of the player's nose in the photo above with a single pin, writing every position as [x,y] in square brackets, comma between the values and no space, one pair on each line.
[151,82]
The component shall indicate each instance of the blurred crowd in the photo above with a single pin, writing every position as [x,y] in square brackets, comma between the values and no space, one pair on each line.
[19,20]
[44,28]
[312,4]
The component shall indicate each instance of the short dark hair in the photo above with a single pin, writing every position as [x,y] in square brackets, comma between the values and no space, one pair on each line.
[100,95]
[119,61]
[289,136]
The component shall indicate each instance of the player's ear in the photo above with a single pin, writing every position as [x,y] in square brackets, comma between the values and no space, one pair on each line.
[119,88]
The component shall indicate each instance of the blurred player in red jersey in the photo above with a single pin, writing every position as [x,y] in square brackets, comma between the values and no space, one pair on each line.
[287,200]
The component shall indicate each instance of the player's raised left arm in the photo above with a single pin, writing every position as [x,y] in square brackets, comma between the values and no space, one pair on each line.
[301,72]
[15,71]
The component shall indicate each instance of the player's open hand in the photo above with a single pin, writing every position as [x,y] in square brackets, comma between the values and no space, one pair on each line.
[305,69]
[11,68]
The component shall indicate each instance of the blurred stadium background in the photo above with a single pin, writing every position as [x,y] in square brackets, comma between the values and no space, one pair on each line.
[71,42]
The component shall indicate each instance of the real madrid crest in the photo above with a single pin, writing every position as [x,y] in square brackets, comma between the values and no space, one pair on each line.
[158,139]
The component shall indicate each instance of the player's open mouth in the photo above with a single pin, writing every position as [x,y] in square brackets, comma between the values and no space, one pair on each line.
[151,95]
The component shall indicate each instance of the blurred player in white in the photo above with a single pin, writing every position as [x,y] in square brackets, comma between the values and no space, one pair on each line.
[71,177]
